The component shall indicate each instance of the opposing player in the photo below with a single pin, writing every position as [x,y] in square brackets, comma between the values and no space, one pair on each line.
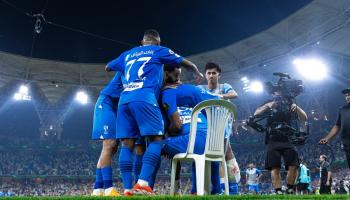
[178,100]
[104,128]
[252,177]
[138,112]
[226,92]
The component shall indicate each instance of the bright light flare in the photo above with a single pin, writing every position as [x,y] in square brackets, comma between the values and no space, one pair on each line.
[22,94]
[256,87]
[312,68]
[82,97]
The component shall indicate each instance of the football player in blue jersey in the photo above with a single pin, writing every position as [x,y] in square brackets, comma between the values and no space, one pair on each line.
[104,128]
[138,111]
[178,100]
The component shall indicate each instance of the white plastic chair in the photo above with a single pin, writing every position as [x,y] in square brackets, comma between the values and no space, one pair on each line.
[217,112]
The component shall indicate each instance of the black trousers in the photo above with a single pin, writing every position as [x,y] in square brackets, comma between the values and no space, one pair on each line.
[324,189]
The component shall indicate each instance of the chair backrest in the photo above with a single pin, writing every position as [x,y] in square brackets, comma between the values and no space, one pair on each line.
[218,112]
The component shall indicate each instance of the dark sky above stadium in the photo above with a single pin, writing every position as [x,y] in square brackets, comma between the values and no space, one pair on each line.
[187,26]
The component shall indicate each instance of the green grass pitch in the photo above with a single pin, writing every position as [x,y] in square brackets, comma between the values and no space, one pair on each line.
[243,197]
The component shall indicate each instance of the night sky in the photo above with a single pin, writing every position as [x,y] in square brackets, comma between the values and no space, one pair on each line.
[188,27]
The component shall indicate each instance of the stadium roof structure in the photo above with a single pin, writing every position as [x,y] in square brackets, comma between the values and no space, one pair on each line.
[321,26]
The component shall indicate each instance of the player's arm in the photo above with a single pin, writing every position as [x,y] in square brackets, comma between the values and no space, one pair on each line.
[167,56]
[169,105]
[116,64]
[229,92]
[175,124]
[190,66]
[231,95]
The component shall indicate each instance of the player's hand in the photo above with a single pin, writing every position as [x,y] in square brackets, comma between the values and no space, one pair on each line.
[198,77]
[323,141]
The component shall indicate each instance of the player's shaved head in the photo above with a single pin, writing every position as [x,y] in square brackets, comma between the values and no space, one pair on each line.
[151,36]
[171,68]
[172,74]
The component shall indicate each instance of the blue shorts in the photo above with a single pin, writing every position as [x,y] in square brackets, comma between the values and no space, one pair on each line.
[179,144]
[139,119]
[253,187]
[105,116]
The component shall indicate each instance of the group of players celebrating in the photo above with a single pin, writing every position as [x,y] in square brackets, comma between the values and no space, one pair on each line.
[145,100]
[146,110]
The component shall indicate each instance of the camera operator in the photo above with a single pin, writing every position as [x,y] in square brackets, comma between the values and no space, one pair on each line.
[280,112]
[342,126]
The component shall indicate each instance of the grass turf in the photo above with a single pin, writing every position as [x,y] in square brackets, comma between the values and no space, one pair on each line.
[188,197]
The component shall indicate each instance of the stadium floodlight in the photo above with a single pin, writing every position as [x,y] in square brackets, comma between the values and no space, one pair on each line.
[256,87]
[22,94]
[17,96]
[23,89]
[312,68]
[81,97]
[251,86]
[244,79]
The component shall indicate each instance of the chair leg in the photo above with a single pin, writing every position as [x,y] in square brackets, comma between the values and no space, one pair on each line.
[207,177]
[173,176]
[224,166]
[200,168]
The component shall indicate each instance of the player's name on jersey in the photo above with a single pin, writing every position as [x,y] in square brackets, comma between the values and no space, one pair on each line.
[139,53]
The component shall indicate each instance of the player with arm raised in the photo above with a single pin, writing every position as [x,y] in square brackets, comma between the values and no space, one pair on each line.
[138,111]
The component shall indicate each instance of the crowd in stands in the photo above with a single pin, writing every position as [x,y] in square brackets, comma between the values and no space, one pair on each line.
[46,167]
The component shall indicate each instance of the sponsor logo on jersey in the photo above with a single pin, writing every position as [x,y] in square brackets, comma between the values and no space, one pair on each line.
[133,86]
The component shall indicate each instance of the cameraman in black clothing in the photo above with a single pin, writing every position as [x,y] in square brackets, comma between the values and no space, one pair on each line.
[281,112]
[343,126]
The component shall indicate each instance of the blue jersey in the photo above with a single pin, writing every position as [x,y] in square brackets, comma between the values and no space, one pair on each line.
[182,99]
[115,87]
[143,70]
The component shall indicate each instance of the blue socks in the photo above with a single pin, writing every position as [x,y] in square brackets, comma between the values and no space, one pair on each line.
[233,188]
[137,166]
[126,165]
[215,178]
[107,177]
[154,175]
[150,160]
[99,179]
[222,186]
[193,175]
